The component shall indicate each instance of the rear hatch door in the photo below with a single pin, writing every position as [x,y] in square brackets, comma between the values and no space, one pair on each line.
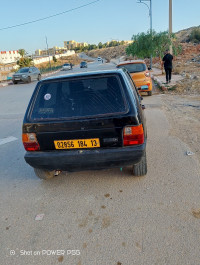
[80,113]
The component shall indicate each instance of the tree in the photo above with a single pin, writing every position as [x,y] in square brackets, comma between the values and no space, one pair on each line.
[24,61]
[92,47]
[195,35]
[100,45]
[54,59]
[22,52]
[142,45]
[146,44]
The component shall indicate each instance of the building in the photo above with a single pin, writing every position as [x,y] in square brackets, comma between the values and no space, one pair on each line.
[51,51]
[7,57]
[83,44]
[72,44]
[128,41]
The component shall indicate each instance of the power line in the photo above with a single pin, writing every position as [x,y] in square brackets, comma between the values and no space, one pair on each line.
[44,18]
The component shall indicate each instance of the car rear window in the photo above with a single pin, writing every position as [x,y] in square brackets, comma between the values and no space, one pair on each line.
[134,67]
[80,97]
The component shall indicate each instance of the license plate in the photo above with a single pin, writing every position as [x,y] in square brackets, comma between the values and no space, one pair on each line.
[144,87]
[17,78]
[74,144]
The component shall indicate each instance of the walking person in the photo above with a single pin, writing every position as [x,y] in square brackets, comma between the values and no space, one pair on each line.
[167,60]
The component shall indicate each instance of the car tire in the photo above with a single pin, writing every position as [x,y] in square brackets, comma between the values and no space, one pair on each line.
[15,82]
[29,80]
[43,174]
[150,93]
[140,169]
[39,77]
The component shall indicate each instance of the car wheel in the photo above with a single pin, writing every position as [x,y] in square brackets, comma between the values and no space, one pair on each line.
[150,93]
[15,82]
[29,79]
[43,174]
[39,77]
[140,169]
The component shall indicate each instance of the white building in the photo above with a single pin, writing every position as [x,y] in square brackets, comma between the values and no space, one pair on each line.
[9,56]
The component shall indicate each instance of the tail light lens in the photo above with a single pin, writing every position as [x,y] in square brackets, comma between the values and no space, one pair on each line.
[133,135]
[30,142]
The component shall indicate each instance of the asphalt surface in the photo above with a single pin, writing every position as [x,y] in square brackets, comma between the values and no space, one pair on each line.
[109,217]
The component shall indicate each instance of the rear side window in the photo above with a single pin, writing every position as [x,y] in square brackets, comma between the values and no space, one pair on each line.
[79,98]
[134,67]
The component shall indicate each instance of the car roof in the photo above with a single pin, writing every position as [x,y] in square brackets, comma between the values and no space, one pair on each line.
[131,62]
[84,74]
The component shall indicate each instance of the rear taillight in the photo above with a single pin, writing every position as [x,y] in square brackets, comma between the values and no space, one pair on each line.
[147,74]
[30,142]
[133,135]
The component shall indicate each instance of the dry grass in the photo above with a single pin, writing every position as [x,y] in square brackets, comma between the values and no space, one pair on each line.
[109,53]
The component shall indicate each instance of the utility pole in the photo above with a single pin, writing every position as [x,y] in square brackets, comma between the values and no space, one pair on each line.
[170,22]
[48,52]
[150,15]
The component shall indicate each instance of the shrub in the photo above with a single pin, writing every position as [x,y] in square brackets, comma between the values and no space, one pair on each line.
[195,35]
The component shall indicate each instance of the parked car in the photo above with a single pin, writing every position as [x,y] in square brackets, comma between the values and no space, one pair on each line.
[66,66]
[85,121]
[139,73]
[26,74]
[83,65]
[99,59]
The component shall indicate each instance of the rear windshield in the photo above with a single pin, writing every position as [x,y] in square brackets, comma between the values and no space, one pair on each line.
[134,67]
[79,98]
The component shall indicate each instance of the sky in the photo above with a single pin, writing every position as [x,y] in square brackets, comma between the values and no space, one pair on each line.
[102,21]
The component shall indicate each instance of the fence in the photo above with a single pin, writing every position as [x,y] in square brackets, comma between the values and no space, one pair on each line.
[49,69]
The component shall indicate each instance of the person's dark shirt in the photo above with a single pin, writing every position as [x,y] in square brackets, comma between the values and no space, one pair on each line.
[167,59]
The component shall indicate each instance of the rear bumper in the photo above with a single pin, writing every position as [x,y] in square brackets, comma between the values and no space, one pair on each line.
[79,160]
[141,86]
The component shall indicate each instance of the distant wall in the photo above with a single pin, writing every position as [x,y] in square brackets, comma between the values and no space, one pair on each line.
[46,59]
[6,70]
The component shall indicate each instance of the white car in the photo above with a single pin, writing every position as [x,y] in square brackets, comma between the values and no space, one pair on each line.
[99,59]
[66,66]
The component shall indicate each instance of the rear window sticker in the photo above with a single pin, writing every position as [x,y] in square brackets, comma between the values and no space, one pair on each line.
[47,96]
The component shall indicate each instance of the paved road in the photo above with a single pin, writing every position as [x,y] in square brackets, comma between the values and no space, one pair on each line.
[111,217]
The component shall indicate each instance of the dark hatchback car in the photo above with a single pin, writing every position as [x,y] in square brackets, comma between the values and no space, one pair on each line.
[83,65]
[85,121]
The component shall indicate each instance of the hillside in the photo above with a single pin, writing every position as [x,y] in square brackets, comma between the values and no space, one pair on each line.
[118,51]
[183,35]
[109,53]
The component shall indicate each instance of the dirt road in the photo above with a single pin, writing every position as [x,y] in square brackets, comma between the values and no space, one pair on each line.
[183,113]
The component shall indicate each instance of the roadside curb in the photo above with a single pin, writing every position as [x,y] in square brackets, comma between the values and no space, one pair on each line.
[160,84]
[4,84]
